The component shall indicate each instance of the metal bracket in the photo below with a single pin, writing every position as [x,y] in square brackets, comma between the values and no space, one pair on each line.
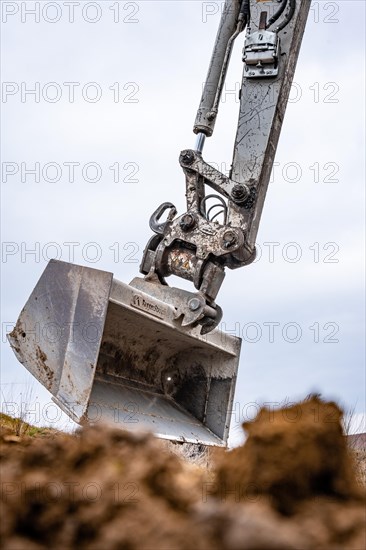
[261,54]
[193,161]
[190,307]
[195,247]
[157,227]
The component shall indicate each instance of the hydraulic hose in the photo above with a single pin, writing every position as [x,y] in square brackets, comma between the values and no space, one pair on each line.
[245,10]
[288,17]
[278,13]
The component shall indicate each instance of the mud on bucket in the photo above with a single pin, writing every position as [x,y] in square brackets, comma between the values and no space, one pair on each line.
[108,352]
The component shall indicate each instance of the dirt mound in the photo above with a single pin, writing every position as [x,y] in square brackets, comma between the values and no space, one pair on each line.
[291,485]
[292,454]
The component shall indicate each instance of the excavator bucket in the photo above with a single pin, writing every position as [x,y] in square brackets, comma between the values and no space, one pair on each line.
[110,352]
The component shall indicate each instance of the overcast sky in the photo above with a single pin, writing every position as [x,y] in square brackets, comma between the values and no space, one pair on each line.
[117,84]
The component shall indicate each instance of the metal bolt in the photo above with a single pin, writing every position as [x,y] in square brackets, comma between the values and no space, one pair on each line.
[194,304]
[187,156]
[240,193]
[187,222]
[228,239]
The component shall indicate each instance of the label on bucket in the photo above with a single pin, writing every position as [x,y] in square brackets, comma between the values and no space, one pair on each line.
[149,306]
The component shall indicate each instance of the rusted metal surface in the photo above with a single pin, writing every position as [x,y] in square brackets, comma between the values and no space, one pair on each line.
[119,353]
[182,262]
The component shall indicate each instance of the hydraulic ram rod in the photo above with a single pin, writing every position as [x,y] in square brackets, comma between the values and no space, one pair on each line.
[206,117]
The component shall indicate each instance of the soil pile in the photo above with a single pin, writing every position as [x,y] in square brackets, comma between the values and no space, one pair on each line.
[292,485]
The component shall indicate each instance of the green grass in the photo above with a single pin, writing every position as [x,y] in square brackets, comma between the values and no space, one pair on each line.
[20,427]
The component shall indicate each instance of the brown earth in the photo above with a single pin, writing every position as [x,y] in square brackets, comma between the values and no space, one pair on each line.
[292,485]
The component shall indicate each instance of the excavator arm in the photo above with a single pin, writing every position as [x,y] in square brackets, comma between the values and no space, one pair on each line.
[219,229]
